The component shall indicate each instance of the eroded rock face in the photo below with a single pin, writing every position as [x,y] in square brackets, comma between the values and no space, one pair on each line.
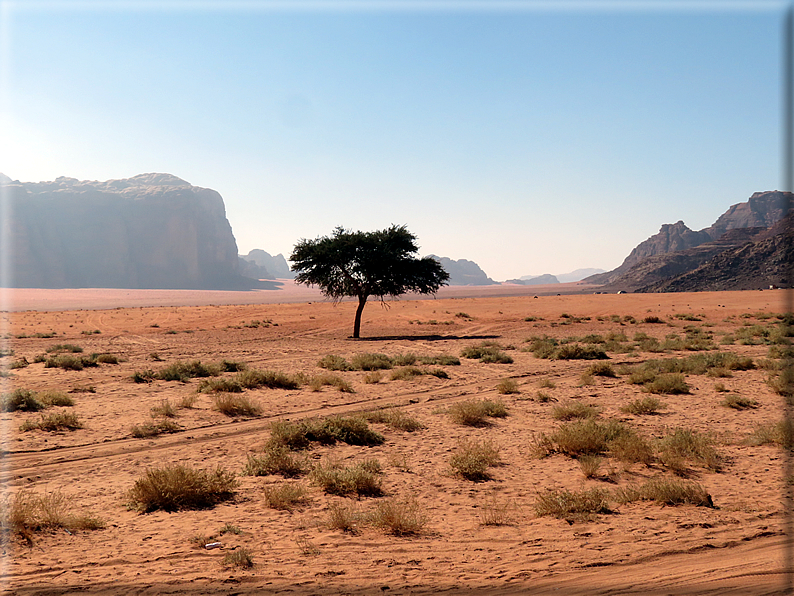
[148,231]
[463,272]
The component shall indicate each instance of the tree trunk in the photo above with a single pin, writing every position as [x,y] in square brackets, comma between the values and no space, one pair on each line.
[362,302]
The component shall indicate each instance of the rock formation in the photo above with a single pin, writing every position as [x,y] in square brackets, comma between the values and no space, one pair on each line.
[276,266]
[148,231]
[546,278]
[463,272]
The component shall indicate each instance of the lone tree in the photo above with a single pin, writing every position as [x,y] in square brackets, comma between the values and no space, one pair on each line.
[364,264]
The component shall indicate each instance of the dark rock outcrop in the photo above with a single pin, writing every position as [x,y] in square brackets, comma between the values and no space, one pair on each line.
[761,210]
[148,231]
[764,262]
[463,272]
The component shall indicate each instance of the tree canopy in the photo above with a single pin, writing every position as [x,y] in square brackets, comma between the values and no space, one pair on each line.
[364,264]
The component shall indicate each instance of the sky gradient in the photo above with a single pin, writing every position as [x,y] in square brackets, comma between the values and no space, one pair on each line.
[531,138]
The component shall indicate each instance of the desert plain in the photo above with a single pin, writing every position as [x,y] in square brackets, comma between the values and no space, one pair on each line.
[487,535]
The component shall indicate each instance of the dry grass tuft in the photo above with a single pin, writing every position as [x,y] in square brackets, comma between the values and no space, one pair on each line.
[164,409]
[473,458]
[573,506]
[27,513]
[399,517]
[643,406]
[737,402]
[52,422]
[574,410]
[362,478]
[498,512]
[240,557]
[590,465]
[235,404]
[344,516]
[507,387]
[285,497]
[683,445]
[394,418]
[476,413]
[178,487]
[149,429]
[317,382]
[277,459]
[667,491]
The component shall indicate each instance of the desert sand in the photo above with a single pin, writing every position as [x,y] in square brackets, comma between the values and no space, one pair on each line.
[641,547]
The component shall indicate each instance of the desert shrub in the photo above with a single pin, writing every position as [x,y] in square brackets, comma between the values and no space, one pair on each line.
[53,421]
[144,376]
[83,389]
[187,402]
[344,516]
[220,385]
[66,362]
[373,378]
[407,359]
[441,360]
[285,497]
[686,317]
[783,382]
[488,353]
[586,436]
[21,399]
[367,361]
[183,371]
[233,366]
[590,465]
[254,379]
[394,418]
[682,445]
[643,405]
[472,459]
[235,404]
[542,347]
[27,513]
[353,430]
[667,491]
[601,369]
[498,512]
[59,348]
[165,409]
[579,352]
[20,363]
[240,557]
[399,517]
[547,384]
[333,362]
[572,506]
[476,413]
[277,459]
[362,478]
[653,319]
[780,434]
[107,359]
[507,387]
[178,487]
[719,373]
[53,397]
[630,447]
[574,409]
[668,384]
[543,397]
[405,373]
[150,429]
[738,402]
[317,382]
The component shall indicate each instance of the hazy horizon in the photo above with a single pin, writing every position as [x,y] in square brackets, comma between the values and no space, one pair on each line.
[528,137]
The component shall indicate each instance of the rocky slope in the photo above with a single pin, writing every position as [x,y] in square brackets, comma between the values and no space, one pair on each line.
[670,252]
[148,231]
[546,278]
[277,267]
[763,262]
[463,272]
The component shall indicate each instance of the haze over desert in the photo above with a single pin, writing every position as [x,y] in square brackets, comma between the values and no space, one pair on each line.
[489,534]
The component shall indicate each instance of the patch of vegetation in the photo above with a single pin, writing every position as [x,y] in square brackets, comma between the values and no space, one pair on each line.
[52,397]
[409,372]
[507,387]
[178,487]
[276,459]
[151,429]
[781,434]
[738,402]
[60,348]
[668,384]
[394,418]
[399,517]
[107,359]
[488,353]
[240,557]
[144,376]
[653,319]
[334,362]
[644,406]
[28,513]
[286,496]
[498,512]
[235,404]
[601,369]
[53,421]
[684,445]
[184,371]
[368,362]
[667,491]
[254,379]
[344,516]
[165,409]
[298,435]
[220,385]
[573,506]
[573,410]
[317,382]
[686,317]
[362,478]
[476,413]
[472,459]
[20,399]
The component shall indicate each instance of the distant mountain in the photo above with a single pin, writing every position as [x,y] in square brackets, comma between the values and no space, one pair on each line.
[765,261]
[276,267]
[577,275]
[536,280]
[463,272]
[646,264]
[149,231]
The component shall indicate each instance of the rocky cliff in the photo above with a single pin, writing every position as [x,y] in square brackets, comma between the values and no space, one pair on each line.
[463,272]
[276,266]
[148,231]
[761,210]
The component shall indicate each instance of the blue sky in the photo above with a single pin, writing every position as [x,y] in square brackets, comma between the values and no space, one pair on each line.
[529,138]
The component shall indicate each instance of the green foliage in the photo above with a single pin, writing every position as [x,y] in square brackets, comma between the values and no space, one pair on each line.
[21,399]
[683,445]
[364,264]
[353,430]
[488,353]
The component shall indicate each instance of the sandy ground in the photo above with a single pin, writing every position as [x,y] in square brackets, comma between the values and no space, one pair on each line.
[641,547]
